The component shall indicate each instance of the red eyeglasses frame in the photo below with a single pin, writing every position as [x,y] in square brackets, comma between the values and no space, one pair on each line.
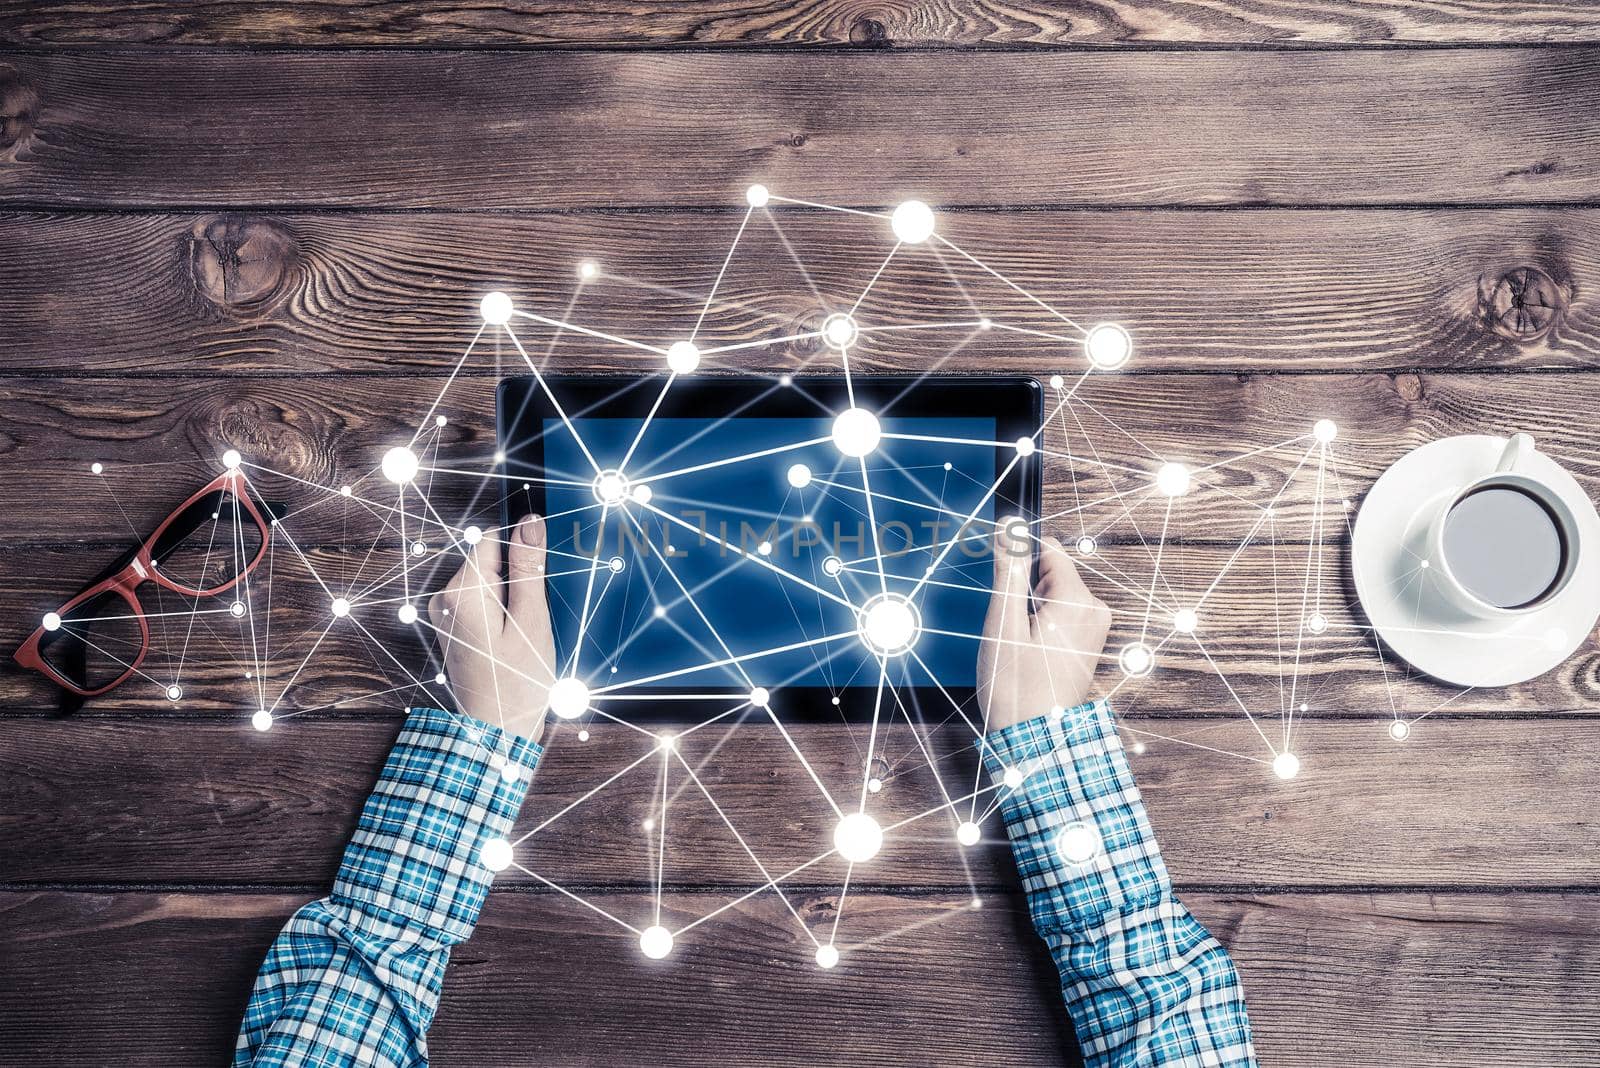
[142,568]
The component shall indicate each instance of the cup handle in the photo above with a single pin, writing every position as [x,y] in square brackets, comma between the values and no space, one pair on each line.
[1518,446]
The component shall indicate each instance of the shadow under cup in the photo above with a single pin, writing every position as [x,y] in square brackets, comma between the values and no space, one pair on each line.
[1509,543]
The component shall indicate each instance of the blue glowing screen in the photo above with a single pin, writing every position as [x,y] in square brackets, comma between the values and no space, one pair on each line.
[676,558]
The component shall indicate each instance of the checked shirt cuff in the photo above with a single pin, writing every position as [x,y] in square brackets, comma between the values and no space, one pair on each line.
[1077,824]
[450,784]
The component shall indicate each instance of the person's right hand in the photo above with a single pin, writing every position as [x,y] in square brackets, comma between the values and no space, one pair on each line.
[499,649]
[1028,662]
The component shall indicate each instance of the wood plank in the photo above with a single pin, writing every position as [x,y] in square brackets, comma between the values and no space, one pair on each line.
[1361,980]
[157,438]
[243,293]
[610,129]
[1248,623]
[209,803]
[820,23]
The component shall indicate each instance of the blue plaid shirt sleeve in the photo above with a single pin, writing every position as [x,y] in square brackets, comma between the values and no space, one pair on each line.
[1145,984]
[354,979]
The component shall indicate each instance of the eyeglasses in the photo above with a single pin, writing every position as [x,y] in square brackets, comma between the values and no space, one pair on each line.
[206,547]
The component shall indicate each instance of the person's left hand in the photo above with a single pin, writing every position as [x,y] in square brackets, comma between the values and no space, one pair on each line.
[499,650]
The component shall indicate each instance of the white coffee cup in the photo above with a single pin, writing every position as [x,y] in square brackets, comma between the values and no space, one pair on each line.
[1505,544]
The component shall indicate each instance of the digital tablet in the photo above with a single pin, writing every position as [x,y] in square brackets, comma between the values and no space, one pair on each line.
[730,536]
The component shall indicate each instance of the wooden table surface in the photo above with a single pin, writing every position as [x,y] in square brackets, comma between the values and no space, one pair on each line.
[265,225]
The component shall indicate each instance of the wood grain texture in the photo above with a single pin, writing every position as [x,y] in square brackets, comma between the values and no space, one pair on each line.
[816,23]
[160,979]
[245,293]
[157,437]
[609,129]
[215,803]
[1248,623]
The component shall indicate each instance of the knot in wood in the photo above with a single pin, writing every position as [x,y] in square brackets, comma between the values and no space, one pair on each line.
[869,32]
[242,264]
[19,112]
[1524,304]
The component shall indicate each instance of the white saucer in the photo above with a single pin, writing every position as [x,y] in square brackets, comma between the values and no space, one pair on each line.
[1402,599]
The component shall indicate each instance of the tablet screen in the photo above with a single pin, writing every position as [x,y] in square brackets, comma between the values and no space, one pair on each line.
[753,540]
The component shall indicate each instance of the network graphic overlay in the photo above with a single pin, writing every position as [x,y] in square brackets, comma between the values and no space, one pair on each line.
[634,584]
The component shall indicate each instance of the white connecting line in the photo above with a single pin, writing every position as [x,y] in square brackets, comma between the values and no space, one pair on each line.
[873,633]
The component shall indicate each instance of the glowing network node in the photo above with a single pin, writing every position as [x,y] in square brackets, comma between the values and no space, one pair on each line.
[1013,777]
[912,222]
[588,269]
[760,697]
[1025,446]
[660,611]
[827,956]
[856,432]
[1316,623]
[400,465]
[340,607]
[1136,660]
[642,493]
[499,457]
[419,548]
[667,741]
[832,565]
[1056,381]
[236,609]
[569,697]
[583,736]
[1078,843]
[874,784]
[1325,430]
[1086,545]
[840,331]
[51,621]
[1286,765]
[472,535]
[407,614]
[439,679]
[1173,479]
[889,624]
[1185,620]
[495,308]
[655,942]
[799,476]
[858,837]
[261,720]
[440,421]
[757,196]
[231,459]
[345,491]
[610,487]
[1107,347]
[764,549]
[785,381]
[968,833]
[96,468]
[683,357]
[1399,730]
[615,565]
[1138,748]
[174,692]
[510,772]
[495,854]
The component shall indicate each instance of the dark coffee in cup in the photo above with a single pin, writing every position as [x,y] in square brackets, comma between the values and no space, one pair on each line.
[1505,545]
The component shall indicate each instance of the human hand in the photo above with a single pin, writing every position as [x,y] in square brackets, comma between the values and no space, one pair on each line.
[1028,664]
[499,650]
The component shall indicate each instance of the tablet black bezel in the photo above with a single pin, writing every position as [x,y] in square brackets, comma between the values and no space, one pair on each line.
[1017,404]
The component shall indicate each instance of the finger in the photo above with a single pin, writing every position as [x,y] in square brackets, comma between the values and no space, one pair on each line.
[1060,584]
[1008,602]
[529,611]
[473,592]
